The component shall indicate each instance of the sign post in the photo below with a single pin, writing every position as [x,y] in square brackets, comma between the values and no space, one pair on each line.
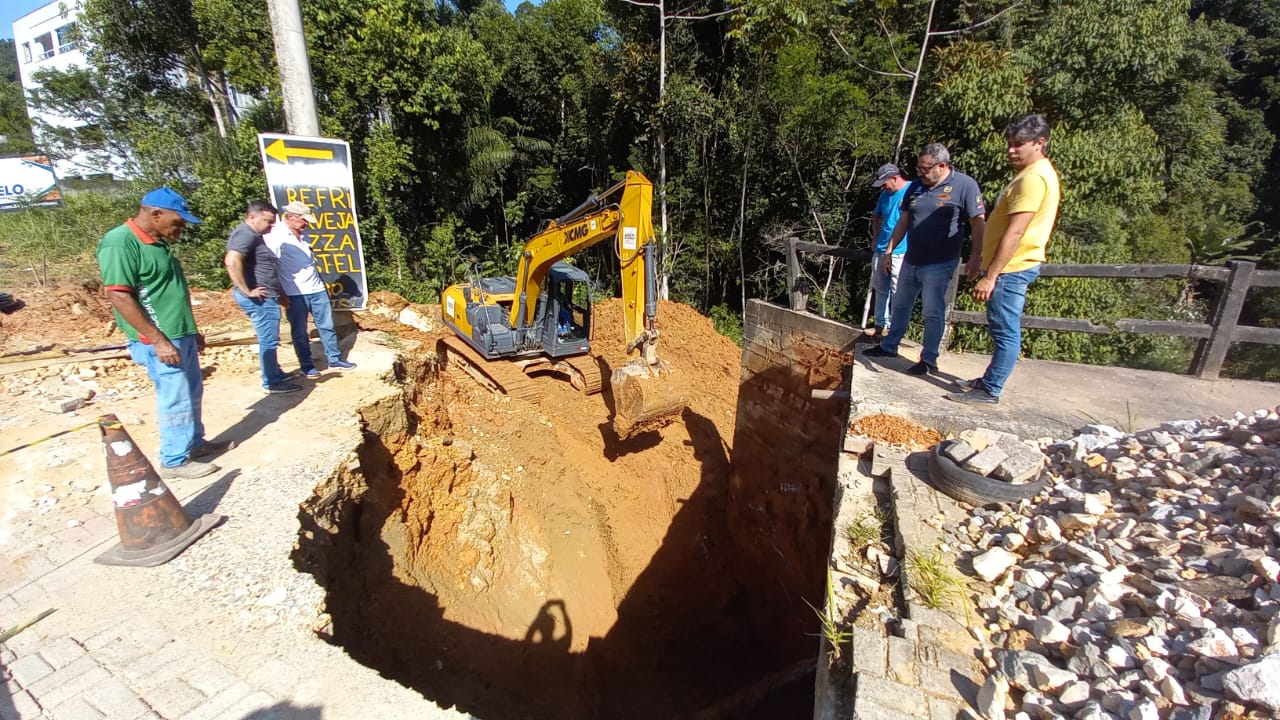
[28,181]
[317,171]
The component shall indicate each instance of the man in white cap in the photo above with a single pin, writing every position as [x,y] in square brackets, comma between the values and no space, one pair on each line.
[893,186]
[306,291]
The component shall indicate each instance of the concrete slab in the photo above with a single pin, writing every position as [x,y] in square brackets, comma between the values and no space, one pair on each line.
[1047,398]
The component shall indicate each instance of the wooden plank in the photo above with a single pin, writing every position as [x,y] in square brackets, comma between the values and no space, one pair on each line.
[1096,270]
[1266,278]
[1164,327]
[796,297]
[1084,325]
[1253,334]
[966,316]
[834,250]
[1225,316]
[14,366]
[1134,325]
[1035,322]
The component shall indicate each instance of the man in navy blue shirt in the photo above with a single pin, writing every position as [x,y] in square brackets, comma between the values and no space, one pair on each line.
[941,207]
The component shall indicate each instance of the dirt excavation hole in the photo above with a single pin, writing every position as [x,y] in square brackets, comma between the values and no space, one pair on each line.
[518,560]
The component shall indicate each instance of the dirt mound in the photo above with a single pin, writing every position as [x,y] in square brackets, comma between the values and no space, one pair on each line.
[895,430]
[62,316]
[68,317]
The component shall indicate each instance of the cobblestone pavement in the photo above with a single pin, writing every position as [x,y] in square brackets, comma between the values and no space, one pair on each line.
[225,630]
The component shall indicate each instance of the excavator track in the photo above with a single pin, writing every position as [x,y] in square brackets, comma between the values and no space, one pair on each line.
[586,375]
[498,376]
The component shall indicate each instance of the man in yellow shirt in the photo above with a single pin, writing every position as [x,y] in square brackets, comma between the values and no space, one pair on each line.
[1009,259]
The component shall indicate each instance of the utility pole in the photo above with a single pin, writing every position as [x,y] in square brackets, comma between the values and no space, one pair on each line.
[295,68]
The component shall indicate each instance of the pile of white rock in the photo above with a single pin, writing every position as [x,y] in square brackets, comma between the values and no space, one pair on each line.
[1144,583]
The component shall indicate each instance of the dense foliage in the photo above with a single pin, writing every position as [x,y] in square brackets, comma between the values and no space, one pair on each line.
[471,124]
[15,129]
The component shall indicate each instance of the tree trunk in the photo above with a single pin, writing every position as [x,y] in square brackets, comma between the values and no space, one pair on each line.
[664,270]
[915,81]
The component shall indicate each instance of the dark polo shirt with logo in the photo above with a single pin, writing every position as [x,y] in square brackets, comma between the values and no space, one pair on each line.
[939,217]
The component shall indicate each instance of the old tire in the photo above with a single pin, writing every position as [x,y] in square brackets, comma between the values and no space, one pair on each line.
[973,488]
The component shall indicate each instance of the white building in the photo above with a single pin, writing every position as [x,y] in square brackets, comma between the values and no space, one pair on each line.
[43,39]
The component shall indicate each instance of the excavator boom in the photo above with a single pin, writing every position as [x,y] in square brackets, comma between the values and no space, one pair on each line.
[523,318]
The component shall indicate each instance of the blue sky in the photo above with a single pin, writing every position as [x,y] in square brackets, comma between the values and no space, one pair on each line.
[14,9]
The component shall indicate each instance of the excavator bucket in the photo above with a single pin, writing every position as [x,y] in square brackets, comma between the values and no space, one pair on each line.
[641,400]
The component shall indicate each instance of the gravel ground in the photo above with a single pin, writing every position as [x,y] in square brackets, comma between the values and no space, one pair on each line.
[232,607]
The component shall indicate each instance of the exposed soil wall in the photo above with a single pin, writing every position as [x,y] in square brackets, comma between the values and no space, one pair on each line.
[518,560]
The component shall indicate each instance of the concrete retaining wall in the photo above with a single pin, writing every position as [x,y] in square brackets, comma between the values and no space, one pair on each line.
[786,451]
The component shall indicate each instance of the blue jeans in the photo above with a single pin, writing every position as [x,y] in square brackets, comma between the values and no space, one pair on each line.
[322,312]
[1004,322]
[884,286]
[179,391]
[265,316]
[929,281]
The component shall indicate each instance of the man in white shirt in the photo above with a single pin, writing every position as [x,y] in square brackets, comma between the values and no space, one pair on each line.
[304,287]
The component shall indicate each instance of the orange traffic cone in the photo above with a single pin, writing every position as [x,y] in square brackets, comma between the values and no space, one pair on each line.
[153,526]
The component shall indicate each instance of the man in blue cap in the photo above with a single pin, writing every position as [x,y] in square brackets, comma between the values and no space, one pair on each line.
[893,187]
[152,303]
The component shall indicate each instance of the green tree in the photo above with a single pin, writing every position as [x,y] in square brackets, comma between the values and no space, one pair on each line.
[15,128]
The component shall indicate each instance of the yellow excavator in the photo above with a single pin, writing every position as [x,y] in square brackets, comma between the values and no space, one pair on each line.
[509,328]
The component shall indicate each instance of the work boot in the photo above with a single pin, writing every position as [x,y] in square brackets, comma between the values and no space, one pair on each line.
[212,449]
[189,470]
[922,368]
[878,352]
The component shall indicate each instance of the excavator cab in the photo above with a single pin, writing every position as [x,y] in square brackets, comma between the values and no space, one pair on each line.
[566,312]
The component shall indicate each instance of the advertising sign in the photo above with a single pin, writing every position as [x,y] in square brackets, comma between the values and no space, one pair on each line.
[317,171]
[28,181]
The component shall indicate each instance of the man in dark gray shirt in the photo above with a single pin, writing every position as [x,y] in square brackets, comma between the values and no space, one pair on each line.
[941,207]
[253,271]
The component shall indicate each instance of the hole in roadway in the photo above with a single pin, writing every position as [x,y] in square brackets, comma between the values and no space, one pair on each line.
[464,558]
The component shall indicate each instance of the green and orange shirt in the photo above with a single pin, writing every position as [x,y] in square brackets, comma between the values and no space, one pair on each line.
[132,260]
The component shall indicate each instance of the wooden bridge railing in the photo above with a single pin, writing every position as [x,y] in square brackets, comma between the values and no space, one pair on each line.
[1216,335]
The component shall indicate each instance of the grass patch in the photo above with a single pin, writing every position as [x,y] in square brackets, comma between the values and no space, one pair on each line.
[867,529]
[393,340]
[49,246]
[830,626]
[933,577]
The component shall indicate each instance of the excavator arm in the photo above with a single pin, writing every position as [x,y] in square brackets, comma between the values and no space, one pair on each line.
[641,401]
[624,213]
[504,318]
